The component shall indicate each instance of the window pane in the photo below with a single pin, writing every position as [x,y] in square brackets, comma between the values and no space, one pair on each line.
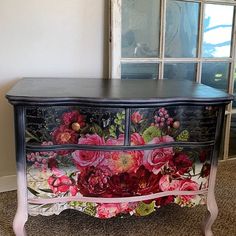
[234,102]
[181,29]
[216,75]
[140,28]
[217,35]
[180,71]
[232,142]
[139,70]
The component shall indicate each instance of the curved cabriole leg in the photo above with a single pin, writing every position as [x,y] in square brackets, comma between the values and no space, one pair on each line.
[22,209]
[22,213]
[211,205]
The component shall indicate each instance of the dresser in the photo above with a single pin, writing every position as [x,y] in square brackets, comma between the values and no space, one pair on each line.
[110,148]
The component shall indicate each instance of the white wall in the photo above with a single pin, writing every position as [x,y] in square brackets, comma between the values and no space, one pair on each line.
[64,38]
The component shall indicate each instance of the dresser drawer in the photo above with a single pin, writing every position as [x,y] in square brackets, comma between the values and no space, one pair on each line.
[179,123]
[74,125]
[112,174]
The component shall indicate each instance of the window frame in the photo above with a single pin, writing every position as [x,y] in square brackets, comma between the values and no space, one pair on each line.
[115,59]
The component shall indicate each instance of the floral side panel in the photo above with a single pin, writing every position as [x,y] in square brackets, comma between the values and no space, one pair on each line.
[75,125]
[180,123]
[110,174]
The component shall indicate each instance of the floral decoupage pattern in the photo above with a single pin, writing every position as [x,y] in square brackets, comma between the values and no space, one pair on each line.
[72,125]
[121,174]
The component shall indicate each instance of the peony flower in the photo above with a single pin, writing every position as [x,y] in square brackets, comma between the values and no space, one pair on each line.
[69,118]
[124,161]
[123,185]
[148,182]
[154,160]
[136,117]
[62,184]
[84,158]
[63,135]
[183,163]
[94,181]
[108,210]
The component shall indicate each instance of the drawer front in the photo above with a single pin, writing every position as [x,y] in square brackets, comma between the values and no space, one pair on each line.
[173,123]
[75,125]
[122,174]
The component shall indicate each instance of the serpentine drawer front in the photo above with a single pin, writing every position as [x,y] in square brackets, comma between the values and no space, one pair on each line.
[108,148]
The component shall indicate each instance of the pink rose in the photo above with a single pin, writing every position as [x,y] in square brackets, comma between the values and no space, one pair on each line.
[114,141]
[136,139]
[108,210]
[62,184]
[156,159]
[188,185]
[166,183]
[136,117]
[84,158]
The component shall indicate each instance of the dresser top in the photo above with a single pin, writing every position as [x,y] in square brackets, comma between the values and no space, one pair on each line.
[112,91]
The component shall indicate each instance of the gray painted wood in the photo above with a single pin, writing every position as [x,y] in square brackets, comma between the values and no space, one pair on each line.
[66,90]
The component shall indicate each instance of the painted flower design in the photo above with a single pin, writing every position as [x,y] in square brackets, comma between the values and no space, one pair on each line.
[62,184]
[64,135]
[126,161]
[108,210]
[155,159]
[120,173]
[73,117]
[136,117]
[183,163]
[84,158]
[94,181]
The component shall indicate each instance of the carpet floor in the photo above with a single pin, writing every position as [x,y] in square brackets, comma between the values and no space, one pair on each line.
[171,220]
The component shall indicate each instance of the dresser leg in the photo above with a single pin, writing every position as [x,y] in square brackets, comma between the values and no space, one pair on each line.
[22,210]
[211,205]
[19,224]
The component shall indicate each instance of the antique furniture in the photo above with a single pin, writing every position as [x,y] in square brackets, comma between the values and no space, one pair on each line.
[114,147]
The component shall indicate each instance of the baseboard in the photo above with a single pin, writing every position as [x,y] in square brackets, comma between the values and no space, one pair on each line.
[8,183]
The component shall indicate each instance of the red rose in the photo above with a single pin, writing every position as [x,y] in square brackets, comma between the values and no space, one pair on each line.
[183,163]
[63,135]
[74,116]
[62,184]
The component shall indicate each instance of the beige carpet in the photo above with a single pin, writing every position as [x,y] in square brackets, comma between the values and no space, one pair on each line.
[168,221]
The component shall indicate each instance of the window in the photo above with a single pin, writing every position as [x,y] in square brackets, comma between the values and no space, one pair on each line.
[176,39]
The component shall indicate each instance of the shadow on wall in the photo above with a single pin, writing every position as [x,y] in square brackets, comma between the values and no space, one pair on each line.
[7,156]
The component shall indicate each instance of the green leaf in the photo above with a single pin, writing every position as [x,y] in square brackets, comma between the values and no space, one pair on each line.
[151,133]
[97,129]
[183,136]
[34,192]
[144,209]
